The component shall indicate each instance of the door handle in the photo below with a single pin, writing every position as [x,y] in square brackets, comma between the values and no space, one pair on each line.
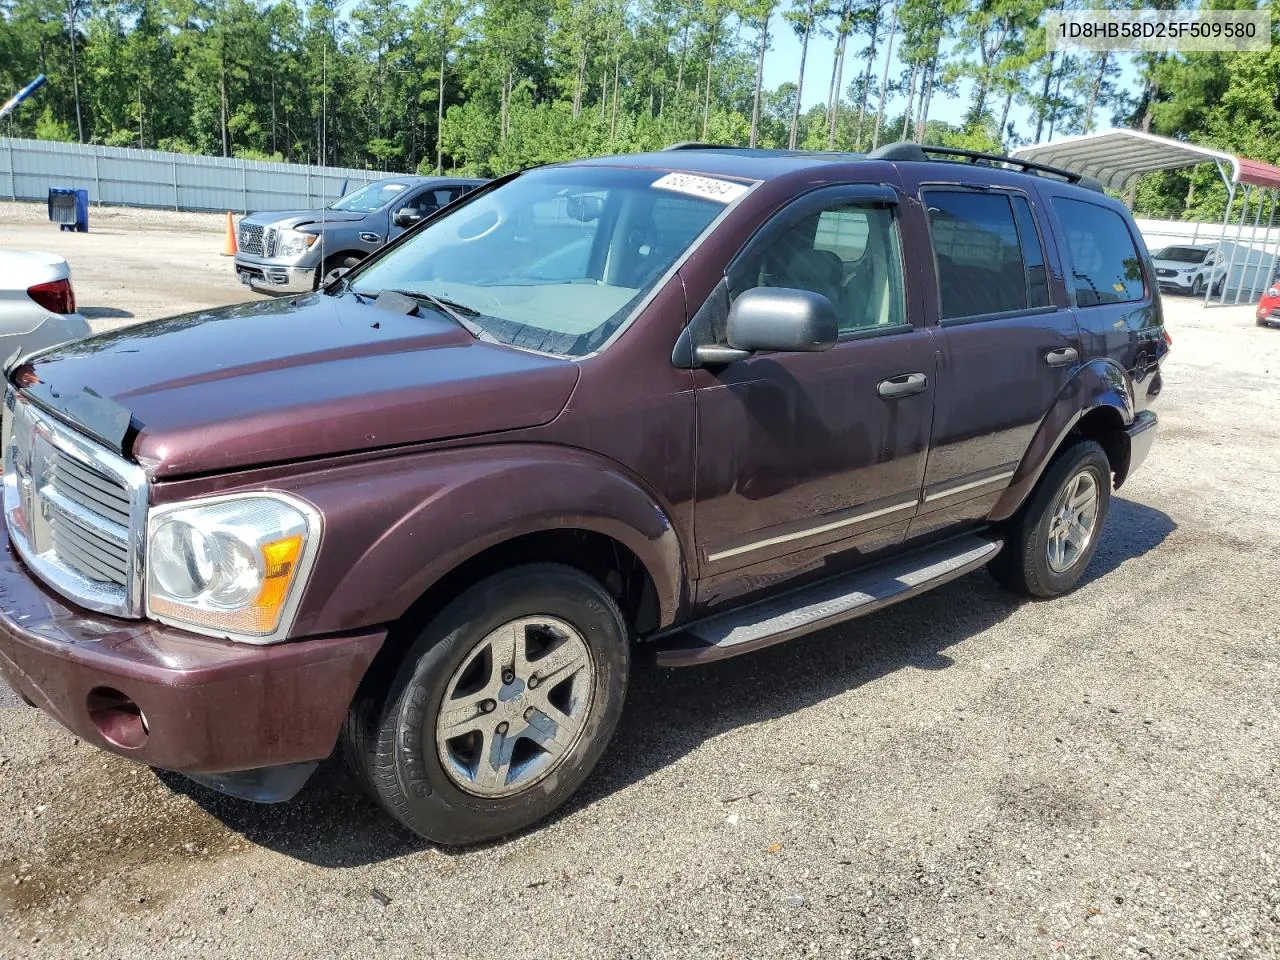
[1061,357]
[903,386]
[371,237]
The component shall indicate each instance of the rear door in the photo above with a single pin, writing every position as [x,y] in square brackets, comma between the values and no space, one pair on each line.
[1115,302]
[1007,346]
[803,457]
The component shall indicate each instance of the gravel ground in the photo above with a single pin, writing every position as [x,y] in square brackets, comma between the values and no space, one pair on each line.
[133,264]
[966,774]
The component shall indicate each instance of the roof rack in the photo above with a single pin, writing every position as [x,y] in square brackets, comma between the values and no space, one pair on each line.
[695,145]
[920,152]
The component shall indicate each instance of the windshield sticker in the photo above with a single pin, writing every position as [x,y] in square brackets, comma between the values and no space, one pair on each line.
[708,188]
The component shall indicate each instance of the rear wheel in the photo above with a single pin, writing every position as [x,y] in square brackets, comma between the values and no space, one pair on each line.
[1050,542]
[502,707]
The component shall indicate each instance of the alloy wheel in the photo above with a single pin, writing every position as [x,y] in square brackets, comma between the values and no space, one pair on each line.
[1072,521]
[516,706]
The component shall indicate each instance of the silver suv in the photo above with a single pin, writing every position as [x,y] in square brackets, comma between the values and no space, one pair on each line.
[299,250]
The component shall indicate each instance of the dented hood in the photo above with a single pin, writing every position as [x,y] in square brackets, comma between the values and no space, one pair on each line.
[283,380]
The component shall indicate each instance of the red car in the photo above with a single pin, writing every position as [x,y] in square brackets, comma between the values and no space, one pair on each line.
[1269,307]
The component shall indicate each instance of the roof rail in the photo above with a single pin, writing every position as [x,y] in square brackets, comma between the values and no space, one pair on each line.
[920,152]
[695,145]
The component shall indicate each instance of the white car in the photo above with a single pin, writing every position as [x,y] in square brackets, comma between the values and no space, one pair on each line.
[37,303]
[1187,269]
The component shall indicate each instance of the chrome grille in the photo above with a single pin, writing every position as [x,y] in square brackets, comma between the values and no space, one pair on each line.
[75,511]
[251,239]
[89,519]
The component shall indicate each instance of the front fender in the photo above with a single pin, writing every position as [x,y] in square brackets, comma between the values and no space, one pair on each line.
[1098,383]
[394,527]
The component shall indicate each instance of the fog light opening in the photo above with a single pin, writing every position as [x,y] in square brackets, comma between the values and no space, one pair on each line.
[119,720]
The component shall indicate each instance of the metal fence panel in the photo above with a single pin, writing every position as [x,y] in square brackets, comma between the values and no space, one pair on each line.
[120,176]
[1250,257]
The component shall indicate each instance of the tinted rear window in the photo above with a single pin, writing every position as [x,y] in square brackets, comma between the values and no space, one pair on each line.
[1105,265]
[981,268]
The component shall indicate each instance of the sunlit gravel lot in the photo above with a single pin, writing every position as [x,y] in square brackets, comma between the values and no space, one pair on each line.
[967,774]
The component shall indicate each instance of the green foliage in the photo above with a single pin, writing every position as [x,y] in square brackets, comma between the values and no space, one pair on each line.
[484,88]
[49,127]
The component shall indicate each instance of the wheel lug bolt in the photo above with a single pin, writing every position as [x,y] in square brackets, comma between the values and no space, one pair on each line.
[533,682]
[508,676]
[489,706]
[502,728]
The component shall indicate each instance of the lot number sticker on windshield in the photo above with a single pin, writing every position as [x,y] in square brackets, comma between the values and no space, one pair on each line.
[708,188]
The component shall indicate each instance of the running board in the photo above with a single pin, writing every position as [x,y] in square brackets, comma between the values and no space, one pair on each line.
[819,605]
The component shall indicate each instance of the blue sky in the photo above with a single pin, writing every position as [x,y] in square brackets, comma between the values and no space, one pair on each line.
[782,64]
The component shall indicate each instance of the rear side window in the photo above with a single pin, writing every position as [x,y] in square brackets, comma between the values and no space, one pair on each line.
[1105,265]
[982,268]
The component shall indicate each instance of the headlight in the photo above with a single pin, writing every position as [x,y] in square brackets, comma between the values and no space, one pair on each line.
[293,243]
[232,566]
[1273,292]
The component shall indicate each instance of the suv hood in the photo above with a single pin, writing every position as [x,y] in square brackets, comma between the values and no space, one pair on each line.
[285,380]
[301,218]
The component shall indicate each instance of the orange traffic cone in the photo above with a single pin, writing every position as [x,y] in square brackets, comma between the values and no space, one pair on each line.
[229,248]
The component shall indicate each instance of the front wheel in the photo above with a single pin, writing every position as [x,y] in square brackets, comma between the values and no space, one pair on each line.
[501,709]
[333,268]
[1050,542]
[1197,287]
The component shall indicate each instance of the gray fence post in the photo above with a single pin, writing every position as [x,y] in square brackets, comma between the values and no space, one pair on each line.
[244,186]
[174,167]
[97,177]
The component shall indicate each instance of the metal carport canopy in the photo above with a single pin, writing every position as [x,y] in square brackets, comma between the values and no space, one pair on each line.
[1118,157]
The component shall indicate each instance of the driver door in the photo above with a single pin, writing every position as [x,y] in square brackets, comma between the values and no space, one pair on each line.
[422,203]
[810,461]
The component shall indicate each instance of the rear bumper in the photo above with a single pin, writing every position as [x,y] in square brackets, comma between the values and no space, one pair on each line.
[54,329]
[1142,434]
[170,699]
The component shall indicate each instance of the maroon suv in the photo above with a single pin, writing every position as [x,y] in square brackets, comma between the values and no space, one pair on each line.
[697,401]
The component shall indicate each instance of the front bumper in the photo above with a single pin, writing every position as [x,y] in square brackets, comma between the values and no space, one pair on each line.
[210,708]
[274,277]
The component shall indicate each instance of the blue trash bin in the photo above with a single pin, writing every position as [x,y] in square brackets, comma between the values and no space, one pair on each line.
[69,208]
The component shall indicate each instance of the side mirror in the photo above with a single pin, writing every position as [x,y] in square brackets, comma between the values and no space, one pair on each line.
[407,217]
[782,319]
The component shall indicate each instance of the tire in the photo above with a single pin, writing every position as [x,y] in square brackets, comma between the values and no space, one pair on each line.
[393,742]
[1026,565]
[1197,287]
[333,268]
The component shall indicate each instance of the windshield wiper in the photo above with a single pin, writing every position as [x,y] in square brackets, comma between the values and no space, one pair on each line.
[459,313]
[344,286]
